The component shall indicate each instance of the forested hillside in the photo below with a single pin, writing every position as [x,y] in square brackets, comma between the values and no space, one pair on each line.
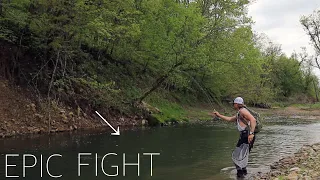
[113,54]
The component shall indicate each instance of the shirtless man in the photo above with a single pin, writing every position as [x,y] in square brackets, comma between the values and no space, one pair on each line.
[246,129]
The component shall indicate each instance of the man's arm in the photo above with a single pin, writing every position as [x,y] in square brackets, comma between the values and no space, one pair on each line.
[226,118]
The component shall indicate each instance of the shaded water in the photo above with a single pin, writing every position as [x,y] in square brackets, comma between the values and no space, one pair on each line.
[186,152]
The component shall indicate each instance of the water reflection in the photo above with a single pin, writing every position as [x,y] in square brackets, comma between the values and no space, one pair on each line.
[187,152]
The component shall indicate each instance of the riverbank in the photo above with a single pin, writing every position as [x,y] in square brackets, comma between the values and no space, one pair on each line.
[304,164]
[20,114]
[303,111]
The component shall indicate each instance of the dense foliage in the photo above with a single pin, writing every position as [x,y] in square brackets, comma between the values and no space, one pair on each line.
[109,53]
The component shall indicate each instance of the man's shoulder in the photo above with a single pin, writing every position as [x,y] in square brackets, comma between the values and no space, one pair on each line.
[243,111]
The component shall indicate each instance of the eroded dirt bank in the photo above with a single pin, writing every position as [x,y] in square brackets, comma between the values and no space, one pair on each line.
[21,115]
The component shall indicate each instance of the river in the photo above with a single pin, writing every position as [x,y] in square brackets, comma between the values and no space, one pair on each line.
[188,152]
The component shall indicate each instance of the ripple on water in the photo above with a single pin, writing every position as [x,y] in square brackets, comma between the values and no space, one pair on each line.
[187,152]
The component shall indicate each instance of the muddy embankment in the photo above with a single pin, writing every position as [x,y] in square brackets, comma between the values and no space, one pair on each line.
[22,115]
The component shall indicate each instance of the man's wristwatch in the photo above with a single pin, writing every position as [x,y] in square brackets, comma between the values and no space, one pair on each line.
[252,133]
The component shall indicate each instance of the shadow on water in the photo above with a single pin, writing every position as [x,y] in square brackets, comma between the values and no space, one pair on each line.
[186,151]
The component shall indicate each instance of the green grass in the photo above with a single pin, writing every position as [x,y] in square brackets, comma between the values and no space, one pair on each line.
[315,106]
[196,113]
[279,104]
[170,111]
[307,106]
[173,110]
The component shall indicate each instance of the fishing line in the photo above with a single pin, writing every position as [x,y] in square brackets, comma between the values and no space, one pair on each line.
[201,88]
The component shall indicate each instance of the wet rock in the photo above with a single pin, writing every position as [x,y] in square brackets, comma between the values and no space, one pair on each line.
[36,130]
[79,111]
[296,169]
[73,127]
[316,148]
[33,107]
[144,122]
[64,118]
[311,151]
[152,120]
[60,130]
[71,114]
[273,166]
[314,174]
[305,164]
[53,131]
[275,173]
[307,178]
[30,129]
[288,161]
[38,116]
[293,176]
[42,130]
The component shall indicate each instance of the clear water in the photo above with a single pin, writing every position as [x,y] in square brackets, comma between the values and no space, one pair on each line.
[187,152]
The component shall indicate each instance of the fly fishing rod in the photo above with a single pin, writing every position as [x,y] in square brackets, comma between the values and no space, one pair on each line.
[210,100]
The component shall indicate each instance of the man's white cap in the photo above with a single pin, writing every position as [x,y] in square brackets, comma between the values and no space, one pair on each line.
[238,100]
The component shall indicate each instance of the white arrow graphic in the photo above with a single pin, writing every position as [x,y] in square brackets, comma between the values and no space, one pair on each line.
[116,132]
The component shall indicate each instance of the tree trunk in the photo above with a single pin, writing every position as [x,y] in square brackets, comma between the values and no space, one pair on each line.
[158,82]
[0,7]
[49,90]
[156,86]
[316,91]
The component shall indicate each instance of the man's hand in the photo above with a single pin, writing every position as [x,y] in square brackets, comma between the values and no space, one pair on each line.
[250,138]
[226,118]
[215,113]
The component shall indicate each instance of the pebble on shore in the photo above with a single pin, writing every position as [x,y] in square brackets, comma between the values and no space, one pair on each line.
[304,165]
